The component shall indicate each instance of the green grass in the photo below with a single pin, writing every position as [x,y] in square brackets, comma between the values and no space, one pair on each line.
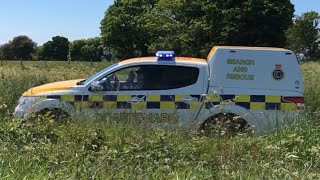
[95,149]
[52,64]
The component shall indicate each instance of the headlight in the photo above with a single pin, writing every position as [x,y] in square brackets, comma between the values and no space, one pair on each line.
[26,100]
[22,100]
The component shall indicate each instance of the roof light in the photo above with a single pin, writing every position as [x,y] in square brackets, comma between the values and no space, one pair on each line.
[165,55]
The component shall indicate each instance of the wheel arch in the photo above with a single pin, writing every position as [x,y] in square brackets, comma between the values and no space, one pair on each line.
[54,104]
[229,109]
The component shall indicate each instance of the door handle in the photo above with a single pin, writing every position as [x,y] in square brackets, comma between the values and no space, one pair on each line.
[137,99]
[189,100]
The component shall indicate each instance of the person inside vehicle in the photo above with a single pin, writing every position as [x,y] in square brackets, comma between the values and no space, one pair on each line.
[140,79]
[130,84]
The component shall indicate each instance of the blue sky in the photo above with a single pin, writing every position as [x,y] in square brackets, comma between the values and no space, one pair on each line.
[43,19]
[302,6]
[74,19]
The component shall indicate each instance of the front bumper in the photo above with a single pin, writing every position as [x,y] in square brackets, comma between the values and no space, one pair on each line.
[21,113]
[24,107]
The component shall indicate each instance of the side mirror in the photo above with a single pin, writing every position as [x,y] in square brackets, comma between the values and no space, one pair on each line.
[95,86]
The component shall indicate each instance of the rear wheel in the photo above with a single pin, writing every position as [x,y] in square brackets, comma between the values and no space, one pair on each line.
[225,124]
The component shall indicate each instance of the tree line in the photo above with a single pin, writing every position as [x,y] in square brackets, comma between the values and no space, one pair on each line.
[58,49]
[132,28]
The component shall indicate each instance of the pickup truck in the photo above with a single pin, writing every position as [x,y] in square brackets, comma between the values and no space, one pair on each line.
[239,88]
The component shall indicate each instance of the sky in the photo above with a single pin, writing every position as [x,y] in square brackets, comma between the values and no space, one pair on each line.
[43,19]
[74,19]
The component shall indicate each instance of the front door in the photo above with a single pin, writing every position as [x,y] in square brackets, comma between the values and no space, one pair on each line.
[156,94]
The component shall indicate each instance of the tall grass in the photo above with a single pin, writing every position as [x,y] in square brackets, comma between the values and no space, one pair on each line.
[94,149]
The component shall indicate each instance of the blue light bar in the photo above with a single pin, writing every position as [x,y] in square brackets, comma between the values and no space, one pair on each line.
[165,55]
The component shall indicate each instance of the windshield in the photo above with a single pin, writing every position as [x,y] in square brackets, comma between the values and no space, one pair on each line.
[97,74]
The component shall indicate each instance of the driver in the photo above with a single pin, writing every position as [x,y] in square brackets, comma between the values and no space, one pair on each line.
[109,83]
[140,79]
[104,83]
[130,81]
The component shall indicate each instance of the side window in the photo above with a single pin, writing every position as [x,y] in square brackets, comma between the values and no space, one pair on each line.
[150,77]
[129,79]
[173,77]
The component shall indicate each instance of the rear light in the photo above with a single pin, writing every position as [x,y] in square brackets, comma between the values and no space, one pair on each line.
[299,101]
[295,100]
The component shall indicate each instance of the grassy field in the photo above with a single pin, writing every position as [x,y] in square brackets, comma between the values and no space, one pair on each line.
[97,150]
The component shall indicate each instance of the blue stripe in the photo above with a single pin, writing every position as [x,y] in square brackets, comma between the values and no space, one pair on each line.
[257,98]
[167,97]
[78,98]
[243,104]
[86,98]
[53,97]
[273,106]
[153,105]
[227,97]
[110,97]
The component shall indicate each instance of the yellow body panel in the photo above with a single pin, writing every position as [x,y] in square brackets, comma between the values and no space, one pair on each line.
[167,105]
[214,49]
[257,106]
[288,106]
[242,98]
[97,98]
[273,99]
[56,86]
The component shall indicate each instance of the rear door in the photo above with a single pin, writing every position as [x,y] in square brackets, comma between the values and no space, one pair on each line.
[173,93]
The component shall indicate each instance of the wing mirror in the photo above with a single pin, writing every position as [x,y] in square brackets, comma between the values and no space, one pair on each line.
[95,86]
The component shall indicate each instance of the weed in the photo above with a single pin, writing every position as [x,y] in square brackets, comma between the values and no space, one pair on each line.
[97,149]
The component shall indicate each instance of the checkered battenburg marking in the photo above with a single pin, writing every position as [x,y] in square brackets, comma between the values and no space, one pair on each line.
[252,102]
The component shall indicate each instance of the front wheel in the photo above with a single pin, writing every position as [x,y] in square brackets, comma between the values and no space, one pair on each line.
[54,114]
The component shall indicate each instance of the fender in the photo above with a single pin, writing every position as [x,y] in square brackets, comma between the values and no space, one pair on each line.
[54,103]
[229,108]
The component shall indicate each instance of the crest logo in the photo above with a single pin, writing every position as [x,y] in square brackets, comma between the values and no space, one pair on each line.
[278,74]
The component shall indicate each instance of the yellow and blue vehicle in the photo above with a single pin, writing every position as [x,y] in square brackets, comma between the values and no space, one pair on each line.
[260,85]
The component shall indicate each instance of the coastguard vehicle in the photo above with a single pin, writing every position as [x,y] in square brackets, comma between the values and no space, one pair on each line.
[239,87]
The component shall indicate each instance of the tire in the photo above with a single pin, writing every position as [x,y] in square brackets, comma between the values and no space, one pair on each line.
[54,114]
[225,125]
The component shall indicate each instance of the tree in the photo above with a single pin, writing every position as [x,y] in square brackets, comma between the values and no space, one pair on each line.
[39,52]
[87,49]
[93,50]
[1,53]
[21,47]
[255,23]
[75,49]
[7,50]
[57,49]
[181,26]
[122,28]
[303,37]
[47,51]
[191,27]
